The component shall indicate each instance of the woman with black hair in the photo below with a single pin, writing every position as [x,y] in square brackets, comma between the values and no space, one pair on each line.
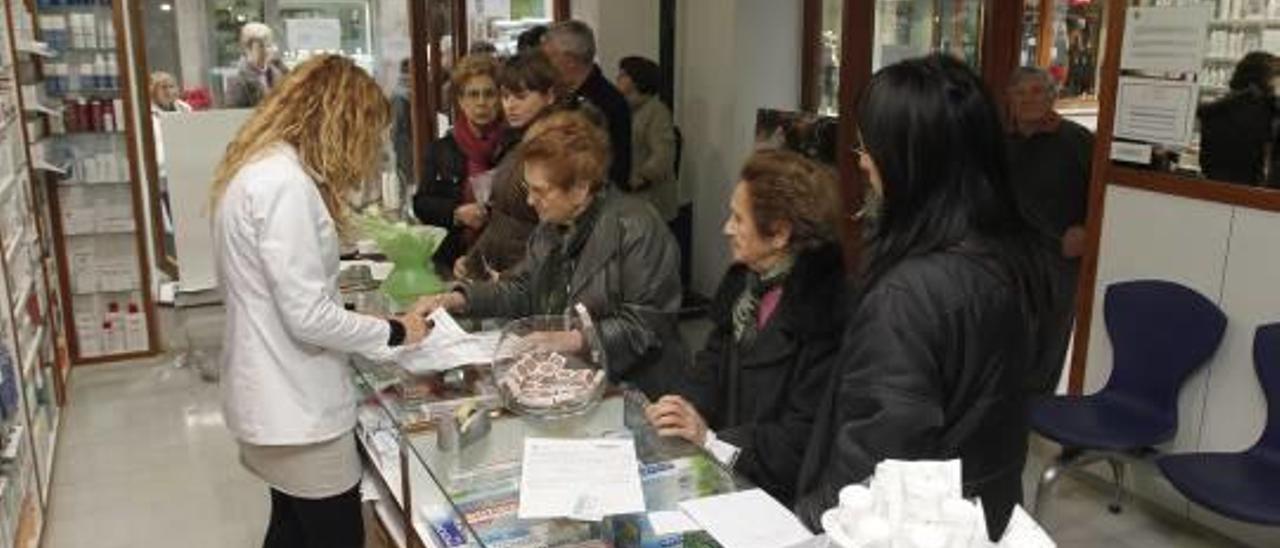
[1236,130]
[943,326]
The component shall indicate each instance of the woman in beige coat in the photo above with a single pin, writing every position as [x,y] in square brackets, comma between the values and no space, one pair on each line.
[653,137]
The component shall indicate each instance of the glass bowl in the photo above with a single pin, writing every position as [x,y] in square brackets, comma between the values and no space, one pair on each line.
[536,380]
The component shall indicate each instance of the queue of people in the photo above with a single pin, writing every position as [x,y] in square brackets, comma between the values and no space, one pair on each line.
[811,374]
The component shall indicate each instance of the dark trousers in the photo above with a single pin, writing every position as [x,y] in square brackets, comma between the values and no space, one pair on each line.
[334,522]
[1056,329]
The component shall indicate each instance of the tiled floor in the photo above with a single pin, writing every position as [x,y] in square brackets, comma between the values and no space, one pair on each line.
[145,461]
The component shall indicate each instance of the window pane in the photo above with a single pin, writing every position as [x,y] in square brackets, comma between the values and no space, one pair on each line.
[911,28]
[500,23]
[1237,119]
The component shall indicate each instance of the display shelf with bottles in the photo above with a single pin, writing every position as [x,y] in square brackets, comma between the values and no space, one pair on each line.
[92,182]
[31,387]
[1238,28]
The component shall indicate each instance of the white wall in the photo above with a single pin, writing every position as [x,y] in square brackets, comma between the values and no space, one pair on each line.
[1228,254]
[732,58]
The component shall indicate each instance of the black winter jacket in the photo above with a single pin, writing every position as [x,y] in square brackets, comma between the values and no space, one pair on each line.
[932,367]
[440,193]
[763,398]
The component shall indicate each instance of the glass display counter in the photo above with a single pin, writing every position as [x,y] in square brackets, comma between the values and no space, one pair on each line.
[459,486]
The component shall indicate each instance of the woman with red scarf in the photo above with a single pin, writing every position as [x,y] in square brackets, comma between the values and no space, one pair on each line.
[458,170]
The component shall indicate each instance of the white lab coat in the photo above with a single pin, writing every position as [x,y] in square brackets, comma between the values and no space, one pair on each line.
[286,377]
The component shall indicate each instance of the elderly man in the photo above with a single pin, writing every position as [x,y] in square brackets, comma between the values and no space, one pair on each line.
[571,46]
[1049,165]
[258,71]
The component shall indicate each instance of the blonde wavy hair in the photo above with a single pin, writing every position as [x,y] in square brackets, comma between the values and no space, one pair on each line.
[336,117]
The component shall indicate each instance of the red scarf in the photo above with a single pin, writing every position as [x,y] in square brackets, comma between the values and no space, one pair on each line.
[479,149]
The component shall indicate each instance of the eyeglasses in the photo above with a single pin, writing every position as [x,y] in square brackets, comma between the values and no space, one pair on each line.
[480,94]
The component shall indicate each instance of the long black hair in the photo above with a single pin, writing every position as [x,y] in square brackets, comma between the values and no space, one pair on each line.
[931,128]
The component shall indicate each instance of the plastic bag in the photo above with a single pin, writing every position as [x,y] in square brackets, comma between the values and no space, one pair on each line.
[410,248]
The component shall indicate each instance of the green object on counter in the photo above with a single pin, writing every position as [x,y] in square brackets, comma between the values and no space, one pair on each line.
[410,249]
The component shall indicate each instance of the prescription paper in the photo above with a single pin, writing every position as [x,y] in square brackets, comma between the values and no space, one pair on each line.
[582,479]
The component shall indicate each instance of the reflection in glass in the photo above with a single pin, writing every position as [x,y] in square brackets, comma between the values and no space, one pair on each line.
[500,23]
[828,64]
[197,44]
[1238,118]
[911,28]
[1238,129]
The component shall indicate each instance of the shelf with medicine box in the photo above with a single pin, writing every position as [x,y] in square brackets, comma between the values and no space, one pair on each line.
[94,196]
[30,391]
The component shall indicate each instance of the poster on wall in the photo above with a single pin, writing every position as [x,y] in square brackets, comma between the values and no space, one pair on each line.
[805,132]
[313,34]
[1165,39]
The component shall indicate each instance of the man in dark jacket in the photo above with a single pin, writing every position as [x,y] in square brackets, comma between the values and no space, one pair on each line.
[571,46]
[1050,161]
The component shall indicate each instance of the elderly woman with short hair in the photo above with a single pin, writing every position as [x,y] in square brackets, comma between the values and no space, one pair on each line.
[754,389]
[594,246]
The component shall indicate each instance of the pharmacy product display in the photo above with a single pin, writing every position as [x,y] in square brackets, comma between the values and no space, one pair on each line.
[32,373]
[83,152]
[919,504]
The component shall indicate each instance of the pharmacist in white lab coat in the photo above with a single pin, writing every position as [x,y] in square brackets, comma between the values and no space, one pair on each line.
[278,197]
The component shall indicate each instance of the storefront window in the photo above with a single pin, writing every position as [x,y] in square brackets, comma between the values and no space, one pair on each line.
[911,28]
[500,22]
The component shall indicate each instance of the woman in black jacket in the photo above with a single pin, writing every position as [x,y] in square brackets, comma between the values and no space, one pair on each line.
[458,172]
[753,391]
[937,347]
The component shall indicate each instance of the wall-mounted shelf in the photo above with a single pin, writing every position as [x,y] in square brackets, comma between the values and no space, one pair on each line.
[37,49]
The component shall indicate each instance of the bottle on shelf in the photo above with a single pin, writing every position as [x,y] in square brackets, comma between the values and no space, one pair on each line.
[100,71]
[136,329]
[113,72]
[114,328]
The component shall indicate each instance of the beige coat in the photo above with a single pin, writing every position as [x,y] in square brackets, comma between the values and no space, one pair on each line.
[653,156]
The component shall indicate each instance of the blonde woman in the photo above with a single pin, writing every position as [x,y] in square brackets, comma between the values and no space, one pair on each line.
[278,202]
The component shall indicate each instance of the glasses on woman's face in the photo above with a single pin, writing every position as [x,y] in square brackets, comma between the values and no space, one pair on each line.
[482,94]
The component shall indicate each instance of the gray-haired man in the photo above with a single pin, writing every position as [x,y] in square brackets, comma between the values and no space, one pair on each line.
[571,46]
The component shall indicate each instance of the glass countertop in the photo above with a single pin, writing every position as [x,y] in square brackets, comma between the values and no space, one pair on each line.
[469,495]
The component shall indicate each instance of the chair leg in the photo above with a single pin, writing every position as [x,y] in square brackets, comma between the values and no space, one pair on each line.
[1048,479]
[1117,473]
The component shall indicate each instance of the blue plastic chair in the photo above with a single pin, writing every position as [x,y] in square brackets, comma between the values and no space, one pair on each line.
[1243,486]
[1161,332]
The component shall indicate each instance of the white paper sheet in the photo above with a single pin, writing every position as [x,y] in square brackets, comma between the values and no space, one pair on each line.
[583,479]
[671,522]
[1024,532]
[1166,39]
[747,519]
[449,346]
[1156,111]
